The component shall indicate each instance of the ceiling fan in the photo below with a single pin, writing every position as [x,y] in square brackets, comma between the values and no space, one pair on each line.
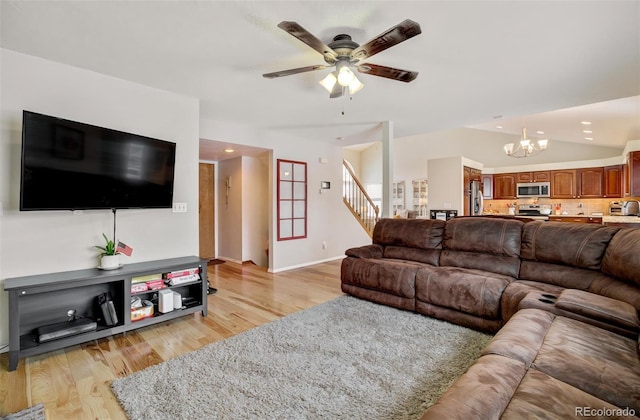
[344,53]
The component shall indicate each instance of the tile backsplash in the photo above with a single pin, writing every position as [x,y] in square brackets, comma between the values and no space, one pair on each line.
[573,206]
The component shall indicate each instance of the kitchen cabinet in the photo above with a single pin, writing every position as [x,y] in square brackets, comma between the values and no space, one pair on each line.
[590,182]
[576,219]
[419,196]
[613,181]
[504,186]
[538,176]
[633,163]
[564,184]
[469,174]
[398,197]
[487,186]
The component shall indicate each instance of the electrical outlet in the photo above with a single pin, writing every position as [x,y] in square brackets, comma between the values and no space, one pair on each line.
[179,207]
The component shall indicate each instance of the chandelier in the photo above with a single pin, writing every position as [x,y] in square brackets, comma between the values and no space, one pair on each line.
[526,147]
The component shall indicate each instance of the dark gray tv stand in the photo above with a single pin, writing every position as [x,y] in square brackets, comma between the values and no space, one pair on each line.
[35,301]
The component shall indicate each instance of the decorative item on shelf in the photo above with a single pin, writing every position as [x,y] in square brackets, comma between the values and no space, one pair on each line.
[109,257]
[526,147]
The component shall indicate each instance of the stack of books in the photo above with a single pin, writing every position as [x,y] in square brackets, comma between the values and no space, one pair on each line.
[183,276]
[144,283]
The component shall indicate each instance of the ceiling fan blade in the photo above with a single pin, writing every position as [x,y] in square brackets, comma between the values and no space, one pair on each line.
[395,35]
[388,72]
[305,36]
[289,72]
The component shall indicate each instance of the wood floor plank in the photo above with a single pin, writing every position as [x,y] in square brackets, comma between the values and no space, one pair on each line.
[74,383]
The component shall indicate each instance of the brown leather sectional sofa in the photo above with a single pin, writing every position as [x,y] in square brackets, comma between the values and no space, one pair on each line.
[564,297]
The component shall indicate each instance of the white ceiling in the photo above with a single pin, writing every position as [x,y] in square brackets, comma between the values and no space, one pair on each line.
[520,60]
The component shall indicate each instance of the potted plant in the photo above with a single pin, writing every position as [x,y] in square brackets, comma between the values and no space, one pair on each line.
[109,257]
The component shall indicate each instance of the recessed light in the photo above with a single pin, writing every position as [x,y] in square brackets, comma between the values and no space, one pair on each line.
[540,132]
[587,131]
[588,138]
[585,122]
[229,150]
[498,126]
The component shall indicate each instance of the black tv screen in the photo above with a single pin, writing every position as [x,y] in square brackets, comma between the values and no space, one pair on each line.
[68,165]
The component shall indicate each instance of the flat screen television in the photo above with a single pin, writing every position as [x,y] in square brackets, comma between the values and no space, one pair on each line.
[68,165]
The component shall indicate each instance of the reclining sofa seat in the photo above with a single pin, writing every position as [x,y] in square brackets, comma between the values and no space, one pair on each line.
[480,258]
[591,258]
[385,271]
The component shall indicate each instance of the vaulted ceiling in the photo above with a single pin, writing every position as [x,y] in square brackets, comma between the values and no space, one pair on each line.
[478,61]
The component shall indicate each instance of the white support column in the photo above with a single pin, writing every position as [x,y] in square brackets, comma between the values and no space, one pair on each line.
[387,169]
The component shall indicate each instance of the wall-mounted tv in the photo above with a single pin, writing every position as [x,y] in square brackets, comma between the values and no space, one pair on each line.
[68,165]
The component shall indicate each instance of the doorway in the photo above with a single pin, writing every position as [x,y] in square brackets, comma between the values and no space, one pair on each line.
[206,211]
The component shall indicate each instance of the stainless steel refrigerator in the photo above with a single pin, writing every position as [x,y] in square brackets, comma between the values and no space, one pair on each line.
[475,202]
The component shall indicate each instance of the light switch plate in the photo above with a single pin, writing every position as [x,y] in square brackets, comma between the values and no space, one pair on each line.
[179,207]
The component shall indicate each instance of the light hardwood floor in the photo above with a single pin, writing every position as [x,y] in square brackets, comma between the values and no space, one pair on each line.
[74,383]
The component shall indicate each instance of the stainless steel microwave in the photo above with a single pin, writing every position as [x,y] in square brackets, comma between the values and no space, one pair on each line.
[533,189]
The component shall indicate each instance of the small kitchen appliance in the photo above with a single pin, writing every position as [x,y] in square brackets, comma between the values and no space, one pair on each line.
[623,208]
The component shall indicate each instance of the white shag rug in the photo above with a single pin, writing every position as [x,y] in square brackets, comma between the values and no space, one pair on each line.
[346,358]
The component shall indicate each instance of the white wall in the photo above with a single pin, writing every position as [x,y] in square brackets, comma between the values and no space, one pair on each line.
[230,209]
[329,220]
[255,203]
[44,242]
[445,177]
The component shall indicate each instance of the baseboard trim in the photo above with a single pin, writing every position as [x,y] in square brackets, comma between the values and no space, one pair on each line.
[293,267]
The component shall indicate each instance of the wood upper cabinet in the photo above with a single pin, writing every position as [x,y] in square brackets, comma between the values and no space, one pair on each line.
[613,181]
[487,186]
[634,174]
[590,182]
[538,176]
[476,174]
[504,186]
[564,184]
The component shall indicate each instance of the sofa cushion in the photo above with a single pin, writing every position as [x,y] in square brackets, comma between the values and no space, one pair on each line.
[597,361]
[472,291]
[483,244]
[621,258]
[484,235]
[599,307]
[393,277]
[410,233]
[521,338]
[498,377]
[579,245]
[540,396]
[366,251]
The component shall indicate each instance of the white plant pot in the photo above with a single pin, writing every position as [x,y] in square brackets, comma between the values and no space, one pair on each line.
[110,261]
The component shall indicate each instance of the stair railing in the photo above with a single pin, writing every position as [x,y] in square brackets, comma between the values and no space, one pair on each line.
[358,201]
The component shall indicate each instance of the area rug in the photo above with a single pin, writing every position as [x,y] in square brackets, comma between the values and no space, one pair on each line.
[32,413]
[347,358]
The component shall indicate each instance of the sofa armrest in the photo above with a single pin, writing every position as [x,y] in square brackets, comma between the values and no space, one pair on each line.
[367,251]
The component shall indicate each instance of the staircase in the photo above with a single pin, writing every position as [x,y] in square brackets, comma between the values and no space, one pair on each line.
[358,201]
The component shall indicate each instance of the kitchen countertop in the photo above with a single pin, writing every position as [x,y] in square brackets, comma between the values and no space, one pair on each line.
[620,219]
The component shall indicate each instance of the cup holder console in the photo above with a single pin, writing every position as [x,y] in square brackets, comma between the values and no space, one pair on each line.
[548,296]
[546,301]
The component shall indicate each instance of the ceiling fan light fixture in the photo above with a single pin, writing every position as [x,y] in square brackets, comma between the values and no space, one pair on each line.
[329,81]
[355,85]
[345,75]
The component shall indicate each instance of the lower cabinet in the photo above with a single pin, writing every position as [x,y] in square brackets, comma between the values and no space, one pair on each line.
[51,311]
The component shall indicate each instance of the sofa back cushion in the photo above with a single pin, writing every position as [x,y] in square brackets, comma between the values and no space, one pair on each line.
[410,239]
[579,245]
[622,258]
[483,243]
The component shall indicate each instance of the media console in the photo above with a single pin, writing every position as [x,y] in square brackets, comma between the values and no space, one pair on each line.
[46,299]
